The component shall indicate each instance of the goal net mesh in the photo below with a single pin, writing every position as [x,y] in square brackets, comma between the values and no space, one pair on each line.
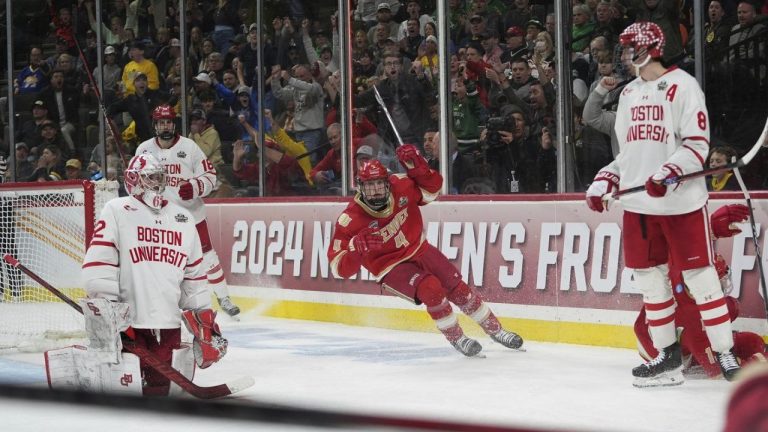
[45,228]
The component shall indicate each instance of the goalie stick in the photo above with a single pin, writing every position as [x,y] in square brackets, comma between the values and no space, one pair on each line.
[144,354]
[758,254]
[746,159]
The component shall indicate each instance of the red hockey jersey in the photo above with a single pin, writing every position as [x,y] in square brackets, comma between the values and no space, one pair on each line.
[399,223]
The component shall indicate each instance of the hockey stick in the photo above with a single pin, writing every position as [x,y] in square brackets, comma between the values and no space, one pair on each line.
[761,283]
[386,112]
[144,354]
[746,159]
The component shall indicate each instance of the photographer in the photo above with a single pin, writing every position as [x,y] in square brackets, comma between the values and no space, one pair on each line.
[514,159]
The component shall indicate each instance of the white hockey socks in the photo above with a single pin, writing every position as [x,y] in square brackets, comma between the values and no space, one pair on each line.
[660,305]
[705,287]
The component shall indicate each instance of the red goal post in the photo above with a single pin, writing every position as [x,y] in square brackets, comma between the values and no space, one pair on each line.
[47,226]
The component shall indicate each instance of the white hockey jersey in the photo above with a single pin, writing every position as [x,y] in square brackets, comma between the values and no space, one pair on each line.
[662,122]
[155,258]
[184,160]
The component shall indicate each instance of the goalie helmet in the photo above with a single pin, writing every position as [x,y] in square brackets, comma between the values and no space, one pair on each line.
[145,179]
[373,181]
[163,118]
[643,37]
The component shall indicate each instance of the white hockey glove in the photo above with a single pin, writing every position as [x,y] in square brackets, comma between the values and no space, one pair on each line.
[599,192]
[209,346]
[104,320]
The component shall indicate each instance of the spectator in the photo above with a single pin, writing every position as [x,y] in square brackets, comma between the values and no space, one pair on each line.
[282,171]
[226,20]
[49,165]
[717,31]
[741,52]
[215,64]
[467,114]
[363,154]
[360,45]
[327,173]
[308,96]
[384,21]
[33,78]
[114,162]
[111,72]
[522,13]
[207,48]
[207,138]
[139,65]
[605,24]
[30,130]
[724,181]
[491,18]
[139,105]
[666,14]
[490,42]
[428,60]
[532,29]
[24,166]
[112,34]
[521,78]
[516,46]
[73,170]
[582,29]
[63,103]
[475,32]
[413,8]
[248,55]
[410,42]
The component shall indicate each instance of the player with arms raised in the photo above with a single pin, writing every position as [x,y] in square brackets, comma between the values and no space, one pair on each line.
[663,131]
[191,176]
[143,265]
[382,230]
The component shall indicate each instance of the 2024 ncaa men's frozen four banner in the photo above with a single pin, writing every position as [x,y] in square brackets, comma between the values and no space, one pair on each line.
[553,254]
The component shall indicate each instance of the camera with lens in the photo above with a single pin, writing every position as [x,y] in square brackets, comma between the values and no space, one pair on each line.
[493,126]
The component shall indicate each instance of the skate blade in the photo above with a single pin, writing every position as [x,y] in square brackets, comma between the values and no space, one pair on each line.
[667,379]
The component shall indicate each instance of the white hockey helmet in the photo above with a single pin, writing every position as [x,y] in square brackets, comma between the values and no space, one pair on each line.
[145,178]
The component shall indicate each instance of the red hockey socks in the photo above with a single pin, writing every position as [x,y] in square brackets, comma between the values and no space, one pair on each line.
[431,293]
[469,301]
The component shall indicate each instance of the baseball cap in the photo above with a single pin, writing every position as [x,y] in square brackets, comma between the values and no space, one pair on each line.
[175,42]
[243,90]
[22,145]
[202,76]
[140,75]
[39,104]
[535,23]
[364,150]
[253,27]
[197,114]
[431,38]
[383,6]
[74,163]
[109,50]
[475,18]
[515,31]
[49,124]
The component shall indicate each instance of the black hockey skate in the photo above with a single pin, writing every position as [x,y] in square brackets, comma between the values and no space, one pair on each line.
[508,339]
[468,347]
[664,370]
[728,364]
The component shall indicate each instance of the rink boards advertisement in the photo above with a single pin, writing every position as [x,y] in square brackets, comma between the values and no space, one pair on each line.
[550,267]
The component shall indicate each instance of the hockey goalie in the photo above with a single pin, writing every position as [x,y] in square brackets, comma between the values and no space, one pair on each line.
[143,276]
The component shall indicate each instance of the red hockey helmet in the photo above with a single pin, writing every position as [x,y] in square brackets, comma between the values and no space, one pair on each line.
[164,112]
[373,181]
[644,35]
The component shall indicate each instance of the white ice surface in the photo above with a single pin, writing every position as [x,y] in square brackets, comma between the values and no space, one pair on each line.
[386,372]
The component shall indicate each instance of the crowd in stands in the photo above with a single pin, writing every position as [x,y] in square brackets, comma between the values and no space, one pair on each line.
[502,80]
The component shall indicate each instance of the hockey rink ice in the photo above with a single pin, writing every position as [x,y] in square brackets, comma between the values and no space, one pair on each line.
[406,374]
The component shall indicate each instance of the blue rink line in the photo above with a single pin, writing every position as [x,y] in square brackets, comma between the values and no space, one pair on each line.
[315,345]
[17,372]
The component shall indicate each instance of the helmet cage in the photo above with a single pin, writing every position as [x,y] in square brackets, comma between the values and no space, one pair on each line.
[145,174]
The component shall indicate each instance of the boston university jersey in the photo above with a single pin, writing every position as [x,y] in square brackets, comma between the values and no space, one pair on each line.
[156,257]
[399,223]
[662,122]
[184,161]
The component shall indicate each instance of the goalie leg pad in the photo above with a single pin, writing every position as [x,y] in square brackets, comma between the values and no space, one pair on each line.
[77,367]
[184,362]
[104,320]
[208,345]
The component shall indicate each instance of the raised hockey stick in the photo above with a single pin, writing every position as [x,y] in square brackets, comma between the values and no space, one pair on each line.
[746,159]
[144,354]
[386,112]
[761,283]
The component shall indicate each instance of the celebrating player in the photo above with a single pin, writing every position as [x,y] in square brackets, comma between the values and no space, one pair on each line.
[144,263]
[381,230]
[696,350]
[663,130]
[191,176]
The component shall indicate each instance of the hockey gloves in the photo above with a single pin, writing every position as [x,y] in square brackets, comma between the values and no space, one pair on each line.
[655,184]
[365,241]
[209,346]
[604,184]
[190,189]
[722,220]
[412,160]
[104,320]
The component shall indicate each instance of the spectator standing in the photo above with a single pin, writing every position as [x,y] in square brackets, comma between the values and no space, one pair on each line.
[63,103]
[140,65]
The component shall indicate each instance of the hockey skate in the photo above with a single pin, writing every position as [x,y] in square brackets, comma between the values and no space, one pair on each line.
[508,339]
[728,364]
[227,306]
[468,347]
[663,371]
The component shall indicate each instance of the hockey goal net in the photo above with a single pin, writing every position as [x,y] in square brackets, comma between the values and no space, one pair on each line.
[46,226]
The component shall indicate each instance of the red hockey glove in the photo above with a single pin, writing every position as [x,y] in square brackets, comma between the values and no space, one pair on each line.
[186,191]
[602,186]
[365,241]
[209,346]
[722,220]
[412,160]
[655,184]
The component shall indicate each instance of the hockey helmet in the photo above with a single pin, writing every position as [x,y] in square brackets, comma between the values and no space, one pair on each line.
[644,35]
[145,177]
[373,181]
[163,118]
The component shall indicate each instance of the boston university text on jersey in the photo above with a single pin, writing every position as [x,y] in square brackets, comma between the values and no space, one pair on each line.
[647,131]
[158,253]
